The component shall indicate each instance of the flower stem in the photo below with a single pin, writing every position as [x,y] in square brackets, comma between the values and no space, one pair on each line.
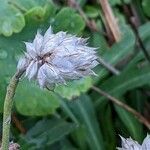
[8,103]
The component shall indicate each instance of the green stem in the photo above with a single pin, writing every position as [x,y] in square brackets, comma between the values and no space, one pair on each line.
[8,103]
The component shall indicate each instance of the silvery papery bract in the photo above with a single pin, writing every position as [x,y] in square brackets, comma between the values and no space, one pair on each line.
[130,144]
[55,58]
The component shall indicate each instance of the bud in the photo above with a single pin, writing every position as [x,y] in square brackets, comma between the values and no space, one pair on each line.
[13,146]
[56,58]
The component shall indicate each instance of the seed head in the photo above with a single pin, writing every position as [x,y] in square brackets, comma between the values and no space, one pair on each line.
[130,144]
[146,143]
[56,58]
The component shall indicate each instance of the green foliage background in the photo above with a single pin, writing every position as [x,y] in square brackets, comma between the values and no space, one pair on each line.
[74,117]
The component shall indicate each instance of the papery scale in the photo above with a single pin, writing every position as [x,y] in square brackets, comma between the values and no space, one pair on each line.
[57,58]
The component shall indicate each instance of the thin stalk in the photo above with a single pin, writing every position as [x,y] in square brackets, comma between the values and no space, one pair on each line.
[8,103]
[108,66]
[129,15]
[110,19]
[91,24]
[116,101]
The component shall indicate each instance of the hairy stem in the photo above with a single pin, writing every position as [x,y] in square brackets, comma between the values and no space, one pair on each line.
[124,106]
[8,103]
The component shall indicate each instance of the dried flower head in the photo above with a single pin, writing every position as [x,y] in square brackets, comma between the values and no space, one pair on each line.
[130,144]
[146,143]
[56,58]
[13,146]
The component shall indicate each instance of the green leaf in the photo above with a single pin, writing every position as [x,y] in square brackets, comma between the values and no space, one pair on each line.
[79,136]
[11,48]
[36,13]
[30,100]
[68,111]
[118,85]
[83,110]
[74,88]
[144,31]
[91,12]
[68,20]
[128,80]
[98,40]
[107,126]
[2,94]
[131,123]
[146,6]
[119,50]
[81,2]
[29,4]
[118,2]
[123,48]
[127,1]
[36,9]
[11,19]
[114,2]
[66,145]
[46,132]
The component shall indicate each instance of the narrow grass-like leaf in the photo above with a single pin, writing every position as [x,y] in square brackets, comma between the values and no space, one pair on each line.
[126,81]
[118,86]
[131,123]
[84,111]
[119,50]
[46,132]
